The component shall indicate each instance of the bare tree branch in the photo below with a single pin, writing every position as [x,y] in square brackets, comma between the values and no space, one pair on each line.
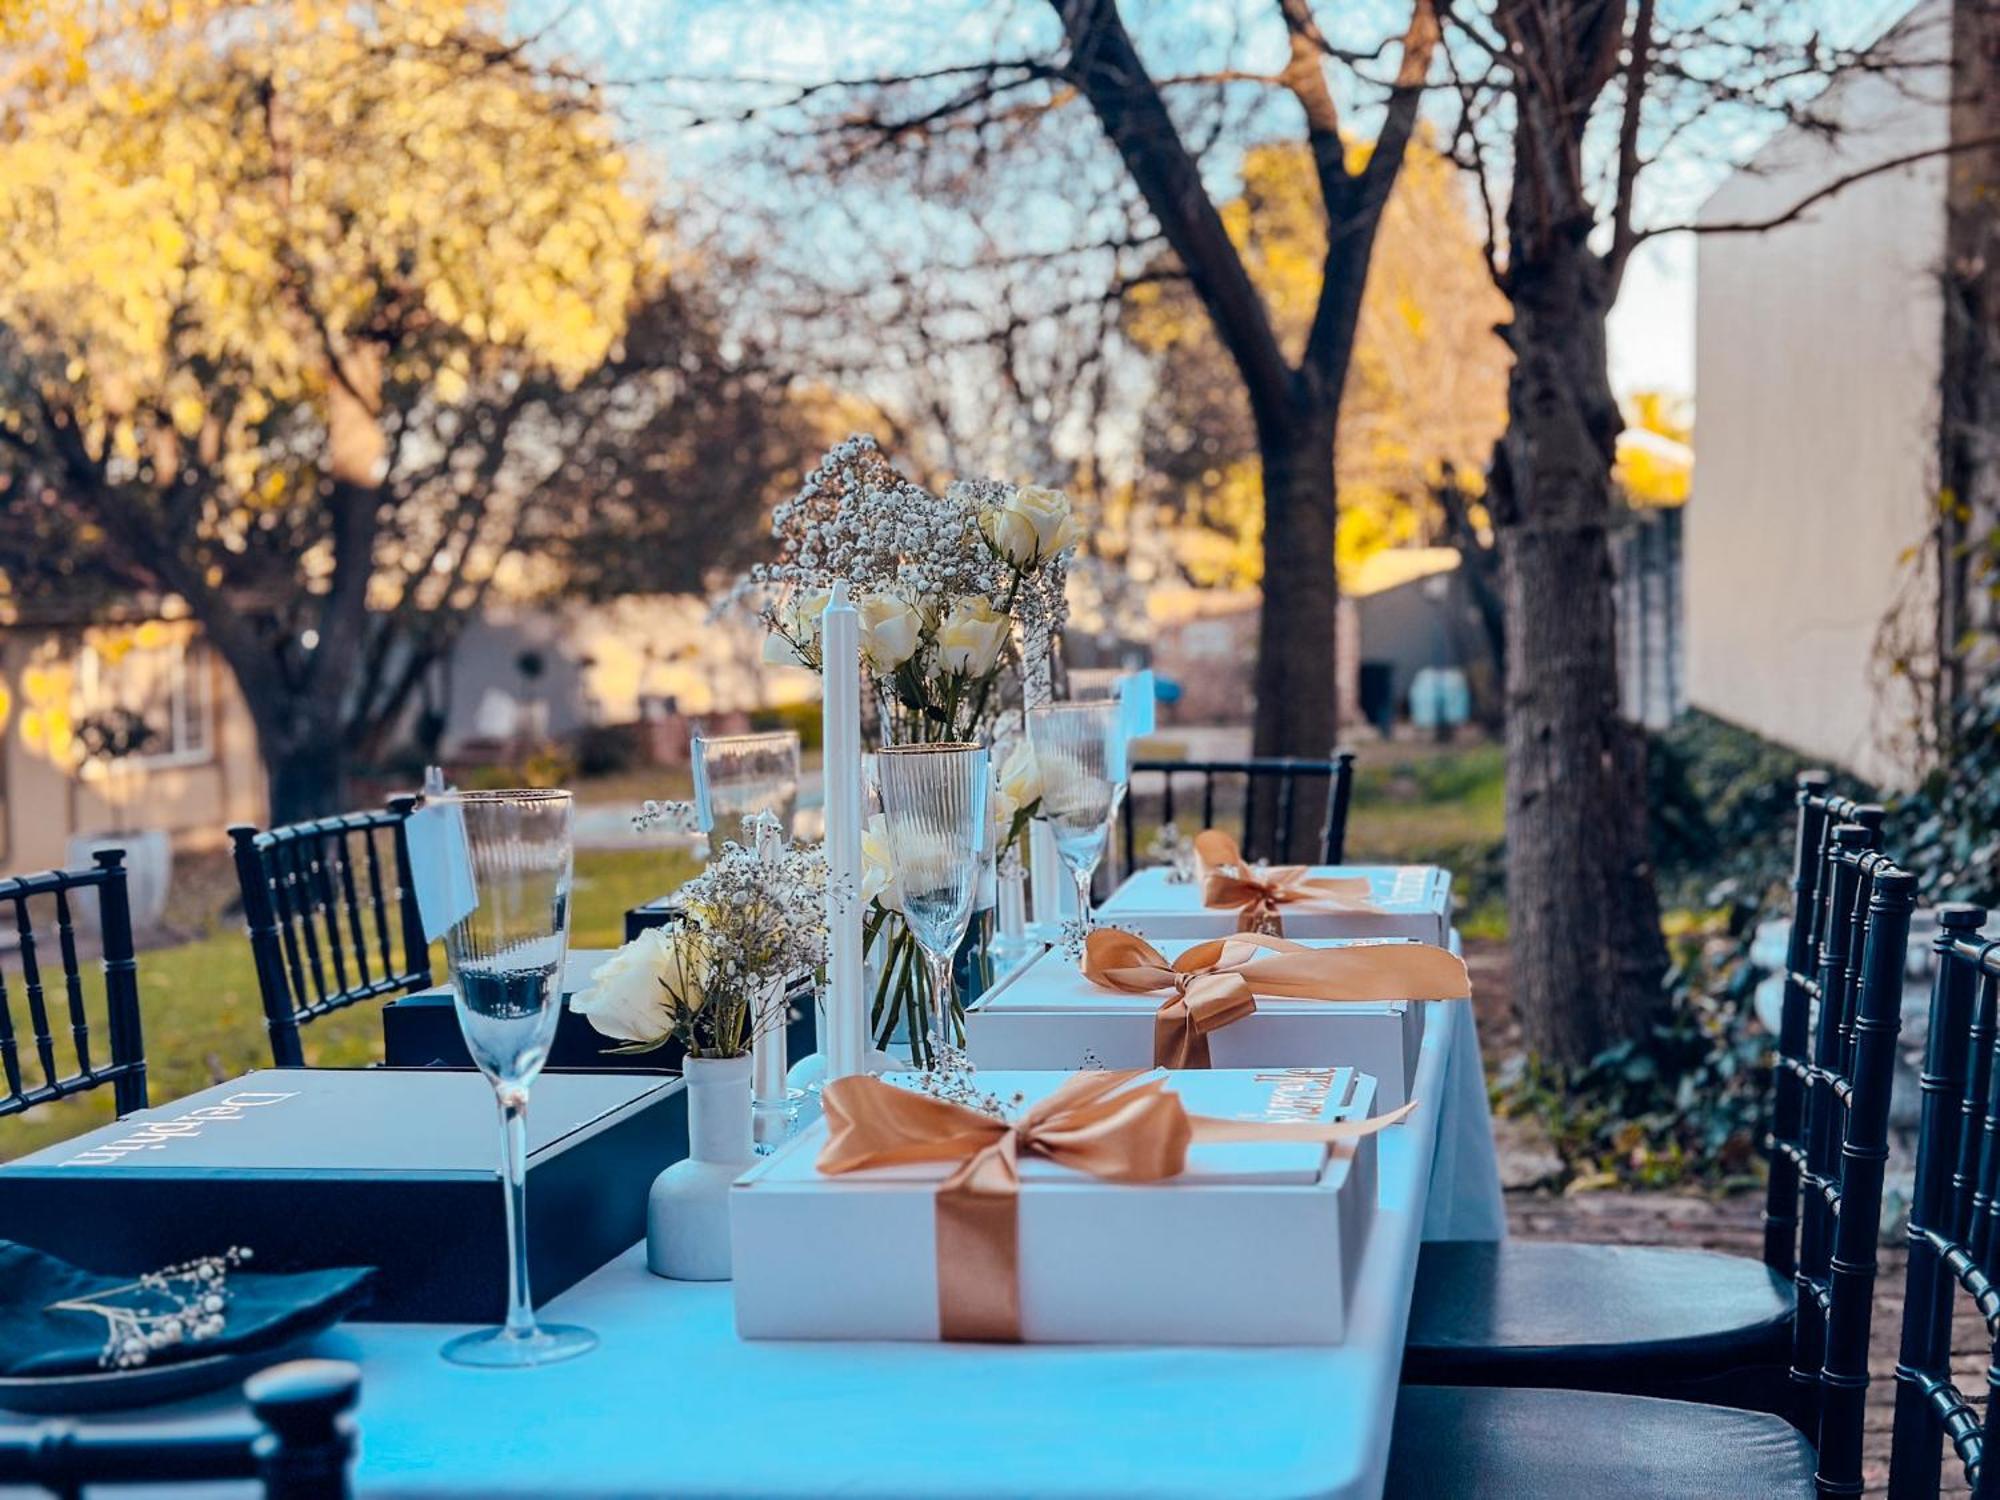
[1637,66]
[1825,191]
[1104,63]
[1354,206]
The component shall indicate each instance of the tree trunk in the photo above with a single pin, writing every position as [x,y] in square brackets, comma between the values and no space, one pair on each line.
[1969,392]
[1588,956]
[307,776]
[1296,679]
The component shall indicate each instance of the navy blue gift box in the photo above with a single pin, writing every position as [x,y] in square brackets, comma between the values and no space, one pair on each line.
[385,1167]
[421,1030]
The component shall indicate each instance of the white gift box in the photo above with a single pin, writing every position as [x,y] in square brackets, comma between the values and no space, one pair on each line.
[1048,1014]
[1411,901]
[1255,1243]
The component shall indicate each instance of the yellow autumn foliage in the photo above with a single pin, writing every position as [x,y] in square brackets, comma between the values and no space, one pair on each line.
[1426,390]
[226,207]
[1655,465]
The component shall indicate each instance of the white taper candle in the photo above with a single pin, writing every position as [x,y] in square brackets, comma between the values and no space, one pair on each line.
[768,1060]
[845,1044]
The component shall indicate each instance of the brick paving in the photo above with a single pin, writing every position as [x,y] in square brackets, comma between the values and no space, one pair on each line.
[1731,1224]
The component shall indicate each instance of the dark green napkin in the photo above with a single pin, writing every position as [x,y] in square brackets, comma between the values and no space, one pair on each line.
[264,1312]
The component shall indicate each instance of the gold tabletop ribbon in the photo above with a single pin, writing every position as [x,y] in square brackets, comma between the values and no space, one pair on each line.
[1104,1124]
[1215,983]
[1229,882]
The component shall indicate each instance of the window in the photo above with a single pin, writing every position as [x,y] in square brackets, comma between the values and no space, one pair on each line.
[157,677]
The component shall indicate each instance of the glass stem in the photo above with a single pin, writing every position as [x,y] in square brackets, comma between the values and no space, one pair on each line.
[1083,896]
[941,1037]
[514,1129]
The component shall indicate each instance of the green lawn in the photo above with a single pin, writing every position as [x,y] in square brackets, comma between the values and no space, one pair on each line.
[203,1022]
[1436,805]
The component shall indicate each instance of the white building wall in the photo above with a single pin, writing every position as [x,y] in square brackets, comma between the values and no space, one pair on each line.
[1816,363]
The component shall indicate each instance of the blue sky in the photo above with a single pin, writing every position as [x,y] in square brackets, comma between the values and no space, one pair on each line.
[1652,328]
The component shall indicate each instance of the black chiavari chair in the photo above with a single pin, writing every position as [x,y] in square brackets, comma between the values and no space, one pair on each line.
[332,916]
[1274,793]
[1690,1325]
[1497,1440]
[1954,1230]
[299,1446]
[1820,812]
[58,1043]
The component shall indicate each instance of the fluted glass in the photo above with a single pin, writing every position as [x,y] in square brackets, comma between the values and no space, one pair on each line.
[506,961]
[746,774]
[1080,757]
[934,802]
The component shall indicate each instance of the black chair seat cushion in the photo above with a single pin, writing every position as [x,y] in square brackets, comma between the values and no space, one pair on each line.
[1578,1445]
[1692,1324]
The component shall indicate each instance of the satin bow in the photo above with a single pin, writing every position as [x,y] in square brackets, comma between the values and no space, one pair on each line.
[1103,1124]
[1215,984]
[1257,896]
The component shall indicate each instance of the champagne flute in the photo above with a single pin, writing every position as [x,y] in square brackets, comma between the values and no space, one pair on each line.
[934,801]
[506,960]
[1080,754]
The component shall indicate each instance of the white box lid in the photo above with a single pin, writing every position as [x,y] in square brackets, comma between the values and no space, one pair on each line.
[1275,1094]
[1396,890]
[1054,981]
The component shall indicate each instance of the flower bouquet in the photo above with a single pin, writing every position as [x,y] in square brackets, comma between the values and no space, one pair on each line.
[753,922]
[960,597]
[952,589]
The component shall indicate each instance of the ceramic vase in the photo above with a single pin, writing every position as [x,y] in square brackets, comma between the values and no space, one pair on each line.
[687,1212]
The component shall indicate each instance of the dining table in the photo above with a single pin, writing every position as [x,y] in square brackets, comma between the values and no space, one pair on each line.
[673,1403]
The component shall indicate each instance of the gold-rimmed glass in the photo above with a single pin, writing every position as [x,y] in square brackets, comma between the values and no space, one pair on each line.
[934,803]
[1079,755]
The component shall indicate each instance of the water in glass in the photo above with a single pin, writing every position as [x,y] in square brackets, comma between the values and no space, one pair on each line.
[506,960]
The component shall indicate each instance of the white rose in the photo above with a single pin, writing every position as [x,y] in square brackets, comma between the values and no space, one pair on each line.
[890,628]
[970,638]
[878,866]
[779,652]
[1031,527]
[636,994]
[801,615]
[1000,810]
[795,626]
[1020,777]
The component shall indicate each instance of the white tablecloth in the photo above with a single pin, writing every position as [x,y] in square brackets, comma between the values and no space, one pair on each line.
[672,1403]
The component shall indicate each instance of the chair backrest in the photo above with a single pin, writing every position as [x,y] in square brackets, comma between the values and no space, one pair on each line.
[1865,903]
[299,1447]
[57,1043]
[1954,1218]
[1820,812]
[332,916]
[1273,792]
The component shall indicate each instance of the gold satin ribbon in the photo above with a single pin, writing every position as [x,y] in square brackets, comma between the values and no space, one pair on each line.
[1216,983]
[1093,1123]
[1229,882]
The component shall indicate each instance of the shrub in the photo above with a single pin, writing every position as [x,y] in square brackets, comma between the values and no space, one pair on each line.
[1686,1099]
[610,749]
[803,717]
[1948,831]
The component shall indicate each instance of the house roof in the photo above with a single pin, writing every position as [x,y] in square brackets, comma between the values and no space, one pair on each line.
[1392,568]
